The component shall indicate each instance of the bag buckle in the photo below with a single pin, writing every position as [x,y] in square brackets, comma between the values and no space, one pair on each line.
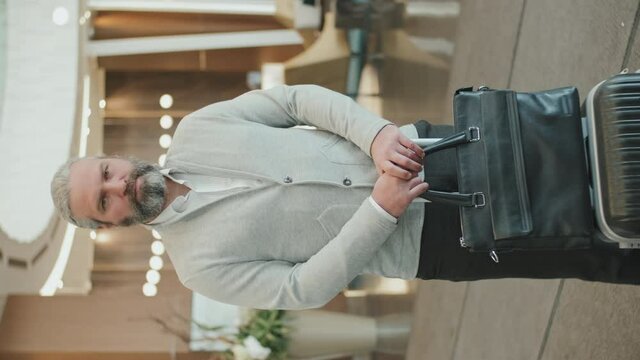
[478,200]
[494,256]
[462,243]
[474,134]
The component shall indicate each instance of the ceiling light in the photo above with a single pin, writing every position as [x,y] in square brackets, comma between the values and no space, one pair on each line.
[93,235]
[166,101]
[157,247]
[166,121]
[162,159]
[156,234]
[60,16]
[149,289]
[103,237]
[102,103]
[153,277]
[165,141]
[156,262]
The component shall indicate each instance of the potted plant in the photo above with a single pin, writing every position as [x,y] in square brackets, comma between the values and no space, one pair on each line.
[279,335]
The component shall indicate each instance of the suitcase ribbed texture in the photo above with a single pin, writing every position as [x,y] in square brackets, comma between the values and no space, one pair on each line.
[617,109]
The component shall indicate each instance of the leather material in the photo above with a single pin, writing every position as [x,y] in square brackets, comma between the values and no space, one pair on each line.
[453,198]
[530,165]
[617,116]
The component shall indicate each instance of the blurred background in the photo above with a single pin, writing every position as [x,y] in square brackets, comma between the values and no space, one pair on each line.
[91,77]
[88,77]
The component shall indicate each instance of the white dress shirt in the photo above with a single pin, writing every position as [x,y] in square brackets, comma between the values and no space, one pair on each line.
[207,189]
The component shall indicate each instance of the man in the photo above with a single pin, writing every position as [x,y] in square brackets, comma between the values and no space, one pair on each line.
[257,212]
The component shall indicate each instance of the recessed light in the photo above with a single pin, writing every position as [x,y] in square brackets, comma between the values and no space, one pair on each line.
[60,16]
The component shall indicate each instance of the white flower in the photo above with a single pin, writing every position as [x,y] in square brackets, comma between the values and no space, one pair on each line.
[255,349]
[240,353]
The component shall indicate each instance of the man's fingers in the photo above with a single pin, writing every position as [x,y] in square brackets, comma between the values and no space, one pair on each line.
[409,153]
[417,190]
[395,170]
[411,146]
[406,163]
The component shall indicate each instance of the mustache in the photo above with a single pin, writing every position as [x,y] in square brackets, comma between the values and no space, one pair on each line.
[139,170]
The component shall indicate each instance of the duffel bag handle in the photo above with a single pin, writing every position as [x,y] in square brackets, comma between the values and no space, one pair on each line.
[430,146]
[463,137]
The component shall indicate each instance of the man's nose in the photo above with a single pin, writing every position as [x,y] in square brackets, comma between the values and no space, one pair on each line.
[116,187]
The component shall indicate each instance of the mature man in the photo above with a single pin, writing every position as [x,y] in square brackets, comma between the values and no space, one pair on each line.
[257,212]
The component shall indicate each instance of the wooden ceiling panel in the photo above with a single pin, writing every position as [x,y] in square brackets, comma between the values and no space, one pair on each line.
[230,60]
[124,24]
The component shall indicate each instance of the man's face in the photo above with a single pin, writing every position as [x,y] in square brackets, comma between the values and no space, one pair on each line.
[115,191]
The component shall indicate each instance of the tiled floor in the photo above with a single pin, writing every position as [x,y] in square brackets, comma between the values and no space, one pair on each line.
[524,45]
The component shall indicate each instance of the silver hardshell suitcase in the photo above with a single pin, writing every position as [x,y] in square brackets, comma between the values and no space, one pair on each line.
[612,129]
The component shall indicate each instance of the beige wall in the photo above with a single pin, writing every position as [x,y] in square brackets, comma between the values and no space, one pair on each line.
[115,317]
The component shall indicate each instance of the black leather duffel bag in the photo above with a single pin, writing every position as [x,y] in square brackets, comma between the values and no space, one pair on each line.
[522,174]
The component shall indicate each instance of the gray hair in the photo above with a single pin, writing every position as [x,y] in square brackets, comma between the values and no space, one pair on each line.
[60,195]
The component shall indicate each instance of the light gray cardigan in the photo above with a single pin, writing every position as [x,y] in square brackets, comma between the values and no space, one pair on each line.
[299,239]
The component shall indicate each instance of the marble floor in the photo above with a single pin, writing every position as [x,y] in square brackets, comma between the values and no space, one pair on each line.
[524,45]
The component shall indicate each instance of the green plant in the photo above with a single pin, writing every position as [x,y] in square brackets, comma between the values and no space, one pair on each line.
[263,335]
[270,329]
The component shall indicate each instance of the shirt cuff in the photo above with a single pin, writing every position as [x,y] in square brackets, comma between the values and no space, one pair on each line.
[382,211]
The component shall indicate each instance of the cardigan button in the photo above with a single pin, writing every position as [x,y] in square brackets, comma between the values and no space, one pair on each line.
[346,181]
[288,179]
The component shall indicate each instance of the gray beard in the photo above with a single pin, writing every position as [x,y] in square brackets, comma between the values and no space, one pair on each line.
[152,192]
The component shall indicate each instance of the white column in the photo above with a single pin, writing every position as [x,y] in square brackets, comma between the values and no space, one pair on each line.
[174,43]
[245,7]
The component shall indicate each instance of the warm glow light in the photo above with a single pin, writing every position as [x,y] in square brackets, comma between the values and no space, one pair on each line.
[166,101]
[157,247]
[60,284]
[102,104]
[86,85]
[162,159]
[165,141]
[156,234]
[93,235]
[156,262]
[153,277]
[103,237]
[393,286]
[60,16]
[166,121]
[149,289]
[87,14]
[49,287]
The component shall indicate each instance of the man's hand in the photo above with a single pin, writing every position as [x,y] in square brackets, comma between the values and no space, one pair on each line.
[394,194]
[395,154]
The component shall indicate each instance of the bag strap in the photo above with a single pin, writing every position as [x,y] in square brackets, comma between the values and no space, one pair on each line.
[463,137]
[472,200]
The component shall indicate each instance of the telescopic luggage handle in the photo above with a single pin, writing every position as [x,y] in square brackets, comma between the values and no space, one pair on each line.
[432,145]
